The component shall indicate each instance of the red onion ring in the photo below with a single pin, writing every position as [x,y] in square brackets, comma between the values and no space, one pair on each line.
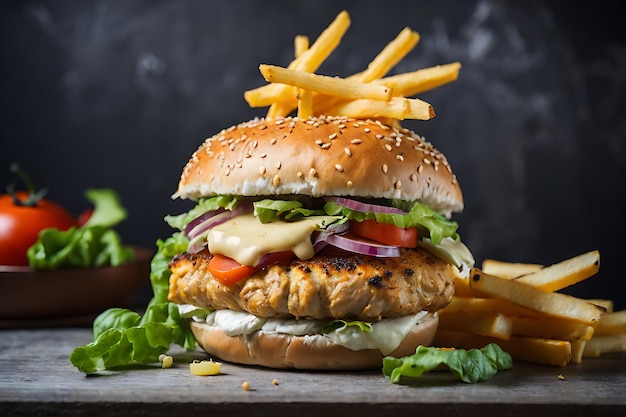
[364,207]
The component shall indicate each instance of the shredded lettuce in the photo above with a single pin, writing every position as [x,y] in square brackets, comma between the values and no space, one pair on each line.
[469,366]
[93,245]
[123,338]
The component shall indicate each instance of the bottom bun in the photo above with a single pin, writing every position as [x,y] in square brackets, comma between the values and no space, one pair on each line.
[316,352]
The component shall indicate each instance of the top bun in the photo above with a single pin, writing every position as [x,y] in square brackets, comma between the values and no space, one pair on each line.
[321,156]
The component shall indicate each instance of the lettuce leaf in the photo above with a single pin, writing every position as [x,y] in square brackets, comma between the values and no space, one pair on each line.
[469,366]
[429,223]
[124,338]
[227,202]
[93,245]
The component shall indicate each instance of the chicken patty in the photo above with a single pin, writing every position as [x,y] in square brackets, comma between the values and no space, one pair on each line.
[353,286]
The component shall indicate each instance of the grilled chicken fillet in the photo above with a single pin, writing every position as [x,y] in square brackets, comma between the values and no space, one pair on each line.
[359,287]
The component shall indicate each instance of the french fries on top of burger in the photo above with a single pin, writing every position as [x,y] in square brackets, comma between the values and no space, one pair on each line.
[322,236]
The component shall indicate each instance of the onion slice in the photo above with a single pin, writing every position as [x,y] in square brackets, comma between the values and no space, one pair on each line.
[364,207]
[362,246]
[214,218]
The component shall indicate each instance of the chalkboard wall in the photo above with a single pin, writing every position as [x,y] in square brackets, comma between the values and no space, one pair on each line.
[120,93]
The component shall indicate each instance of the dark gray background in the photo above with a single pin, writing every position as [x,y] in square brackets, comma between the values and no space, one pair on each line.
[120,93]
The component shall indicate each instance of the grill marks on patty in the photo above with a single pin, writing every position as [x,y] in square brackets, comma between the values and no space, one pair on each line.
[358,287]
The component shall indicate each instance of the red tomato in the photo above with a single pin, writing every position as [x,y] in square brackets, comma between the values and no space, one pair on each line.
[388,234]
[228,271]
[20,225]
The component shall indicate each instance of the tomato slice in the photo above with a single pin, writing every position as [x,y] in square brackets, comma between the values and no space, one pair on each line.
[228,271]
[385,233]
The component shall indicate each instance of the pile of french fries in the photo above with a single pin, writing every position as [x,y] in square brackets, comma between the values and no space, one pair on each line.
[367,94]
[520,307]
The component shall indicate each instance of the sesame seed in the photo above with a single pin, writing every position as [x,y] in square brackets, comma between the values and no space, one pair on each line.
[312,173]
[278,165]
[367,130]
[347,151]
[338,167]
[300,174]
[262,170]
[420,168]
[325,145]
[231,147]
[332,136]
[388,147]
[276,180]
[426,161]
[263,155]
[385,168]
[319,142]
[355,141]
[413,177]
[273,141]
[400,157]
[398,184]
[349,184]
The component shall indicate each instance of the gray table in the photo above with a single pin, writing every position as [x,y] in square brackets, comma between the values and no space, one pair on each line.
[37,378]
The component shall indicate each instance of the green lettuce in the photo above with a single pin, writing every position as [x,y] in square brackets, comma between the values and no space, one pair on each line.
[123,338]
[469,366]
[428,222]
[228,202]
[93,245]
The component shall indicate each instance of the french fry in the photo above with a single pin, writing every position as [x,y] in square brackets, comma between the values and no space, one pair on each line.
[499,305]
[550,303]
[599,345]
[397,108]
[333,86]
[565,273]
[409,84]
[508,269]
[578,349]
[461,287]
[389,57]
[305,97]
[309,61]
[481,322]
[550,328]
[529,349]
[612,323]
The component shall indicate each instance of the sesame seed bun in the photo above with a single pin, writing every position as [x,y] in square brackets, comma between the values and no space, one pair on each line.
[322,156]
[315,352]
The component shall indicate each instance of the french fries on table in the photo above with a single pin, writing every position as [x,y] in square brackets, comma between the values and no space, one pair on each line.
[546,326]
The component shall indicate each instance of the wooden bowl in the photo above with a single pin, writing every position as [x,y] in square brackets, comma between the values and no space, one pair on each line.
[26,294]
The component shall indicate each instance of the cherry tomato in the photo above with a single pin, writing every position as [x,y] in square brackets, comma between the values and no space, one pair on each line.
[84,217]
[21,224]
[385,233]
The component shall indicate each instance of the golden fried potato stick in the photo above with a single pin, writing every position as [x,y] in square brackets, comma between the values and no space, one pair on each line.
[485,323]
[409,84]
[565,273]
[333,86]
[305,97]
[397,108]
[550,303]
[309,61]
[599,345]
[511,270]
[550,328]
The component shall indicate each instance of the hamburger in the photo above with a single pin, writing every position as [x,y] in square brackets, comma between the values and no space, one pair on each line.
[322,243]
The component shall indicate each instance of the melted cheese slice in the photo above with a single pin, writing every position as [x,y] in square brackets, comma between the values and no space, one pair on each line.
[245,239]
